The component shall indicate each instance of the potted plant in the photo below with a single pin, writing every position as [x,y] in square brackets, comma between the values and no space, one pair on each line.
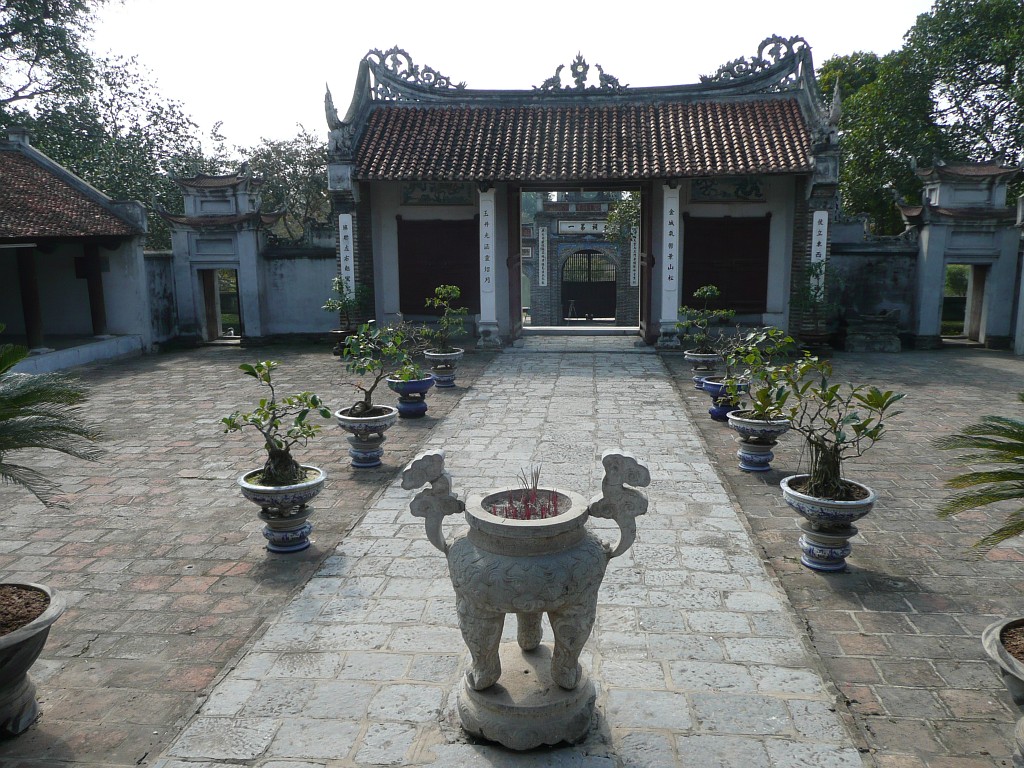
[373,352]
[837,422]
[345,303]
[282,487]
[996,443]
[442,356]
[725,390]
[36,411]
[759,419]
[694,327]
[409,381]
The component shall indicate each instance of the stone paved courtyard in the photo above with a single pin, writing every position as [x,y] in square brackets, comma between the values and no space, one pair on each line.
[173,597]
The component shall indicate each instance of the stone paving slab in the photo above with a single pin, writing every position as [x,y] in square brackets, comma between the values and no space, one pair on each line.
[161,559]
[697,656]
[899,632]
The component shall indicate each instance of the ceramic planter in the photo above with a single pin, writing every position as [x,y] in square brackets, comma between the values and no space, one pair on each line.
[828,524]
[702,364]
[756,439]
[367,434]
[722,400]
[527,567]
[412,395]
[443,365]
[18,651]
[1012,672]
[284,509]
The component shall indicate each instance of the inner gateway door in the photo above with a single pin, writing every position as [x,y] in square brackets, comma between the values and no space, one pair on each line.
[588,286]
[731,253]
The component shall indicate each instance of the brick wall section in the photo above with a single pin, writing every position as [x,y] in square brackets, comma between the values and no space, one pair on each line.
[801,250]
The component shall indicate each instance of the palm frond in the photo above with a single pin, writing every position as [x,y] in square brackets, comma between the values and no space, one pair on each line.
[980,497]
[40,411]
[982,477]
[40,486]
[1012,526]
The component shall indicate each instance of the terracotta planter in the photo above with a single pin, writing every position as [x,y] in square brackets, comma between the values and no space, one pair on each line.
[828,524]
[18,651]
[367,434]
[284,510]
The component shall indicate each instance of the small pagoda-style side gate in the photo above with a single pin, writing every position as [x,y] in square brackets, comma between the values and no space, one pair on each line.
[737,178]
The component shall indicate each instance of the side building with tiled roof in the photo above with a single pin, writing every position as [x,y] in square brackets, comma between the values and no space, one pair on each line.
[71,262]
[736,174]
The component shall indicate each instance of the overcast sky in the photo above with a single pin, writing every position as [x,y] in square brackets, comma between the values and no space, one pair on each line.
[261,66]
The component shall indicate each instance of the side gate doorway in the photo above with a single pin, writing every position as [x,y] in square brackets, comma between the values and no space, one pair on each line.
[588,287]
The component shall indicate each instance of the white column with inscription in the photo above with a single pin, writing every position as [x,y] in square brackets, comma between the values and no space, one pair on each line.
[671,267]
[346,268]
[489,335]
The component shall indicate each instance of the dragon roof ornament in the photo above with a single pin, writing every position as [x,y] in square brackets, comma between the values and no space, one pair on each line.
[579,70]
[397,63]
[771,52]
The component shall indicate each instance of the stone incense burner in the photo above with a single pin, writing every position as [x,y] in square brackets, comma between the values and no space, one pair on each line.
[526,694]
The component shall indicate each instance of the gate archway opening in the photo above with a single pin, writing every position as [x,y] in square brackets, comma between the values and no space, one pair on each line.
[588,288]
[582,260]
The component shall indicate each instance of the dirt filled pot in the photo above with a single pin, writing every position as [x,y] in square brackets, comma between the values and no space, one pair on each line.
[828,524]
[367,434]
[18,651]
[284,509]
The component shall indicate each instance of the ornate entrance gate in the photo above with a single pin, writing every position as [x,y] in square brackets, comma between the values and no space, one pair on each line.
[588,286]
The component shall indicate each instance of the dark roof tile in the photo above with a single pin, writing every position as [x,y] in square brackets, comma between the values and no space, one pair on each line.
[35,202]
[549,143]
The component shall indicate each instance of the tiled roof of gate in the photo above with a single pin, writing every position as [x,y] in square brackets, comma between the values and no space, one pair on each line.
[36,202]
[608,142]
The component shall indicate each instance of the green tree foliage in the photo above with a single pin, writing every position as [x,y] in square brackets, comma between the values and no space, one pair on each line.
[121,135]
[623,216]
[888,125]
[294,175]
[851,72]
[41,51]
[974,52]
[954,91]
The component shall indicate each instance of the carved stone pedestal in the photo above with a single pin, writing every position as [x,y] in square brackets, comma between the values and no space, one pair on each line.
[525,709]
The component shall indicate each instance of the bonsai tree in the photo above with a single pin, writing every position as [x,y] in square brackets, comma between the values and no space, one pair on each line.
[373,352]
[997,441]
[346,302]
[764,395]
[452,320]
[282,424]
[695,322]
[837,421]
[40,411]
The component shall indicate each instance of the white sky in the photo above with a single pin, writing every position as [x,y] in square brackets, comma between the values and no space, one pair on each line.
[261,66]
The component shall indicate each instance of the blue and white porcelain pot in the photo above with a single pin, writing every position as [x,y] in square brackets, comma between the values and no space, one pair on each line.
[367,434]
[284,508]
[828,524]
[443,365]
[412,395]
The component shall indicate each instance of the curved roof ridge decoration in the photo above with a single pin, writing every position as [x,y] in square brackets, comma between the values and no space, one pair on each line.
[389,82]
